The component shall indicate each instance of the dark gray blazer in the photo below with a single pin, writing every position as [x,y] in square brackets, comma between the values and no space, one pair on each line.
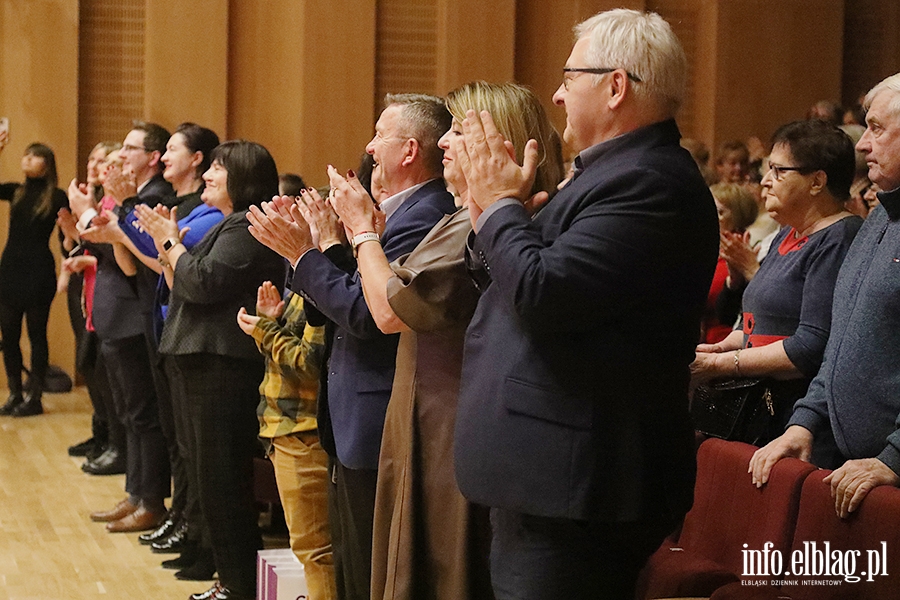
[212,281]
[574,385]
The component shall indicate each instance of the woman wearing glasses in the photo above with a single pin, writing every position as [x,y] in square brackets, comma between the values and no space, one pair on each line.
[787,306]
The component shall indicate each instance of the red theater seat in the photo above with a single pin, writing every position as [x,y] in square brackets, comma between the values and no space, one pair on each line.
[728,512]
[876,521]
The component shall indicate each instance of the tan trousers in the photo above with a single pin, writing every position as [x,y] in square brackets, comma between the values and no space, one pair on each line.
[301,470]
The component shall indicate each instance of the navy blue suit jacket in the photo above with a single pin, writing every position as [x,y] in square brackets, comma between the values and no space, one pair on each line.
[361,368]
[574,387]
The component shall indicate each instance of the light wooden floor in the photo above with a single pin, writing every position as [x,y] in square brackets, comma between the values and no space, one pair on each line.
[49,548]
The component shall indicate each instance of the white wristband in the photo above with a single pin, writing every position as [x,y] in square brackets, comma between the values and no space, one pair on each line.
[85,220]
[366,236]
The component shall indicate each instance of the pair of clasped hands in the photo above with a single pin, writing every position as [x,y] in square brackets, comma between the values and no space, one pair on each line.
[292,226]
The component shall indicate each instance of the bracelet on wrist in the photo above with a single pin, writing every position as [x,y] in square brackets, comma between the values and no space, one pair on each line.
[362,238]
[737,362]
[163,261]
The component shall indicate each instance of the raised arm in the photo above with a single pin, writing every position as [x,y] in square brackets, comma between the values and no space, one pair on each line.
[353,205]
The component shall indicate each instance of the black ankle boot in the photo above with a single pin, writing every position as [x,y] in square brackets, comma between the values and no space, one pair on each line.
[31,406]
[12,403]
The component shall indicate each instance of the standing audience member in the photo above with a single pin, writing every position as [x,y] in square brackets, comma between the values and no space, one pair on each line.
[429,541]
[126,349]
[572,423]
[216,368]
[186,158]
[290,184]
[294,351]
[737,210]
[28,275]
[787,306]
[827,111]
[86,341]
[361,368]
[111,460]
[848,420]
[733,162]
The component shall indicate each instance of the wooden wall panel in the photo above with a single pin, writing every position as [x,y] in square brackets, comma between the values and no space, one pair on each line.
[771,70]
[110,72]
[684,18]
[871,45]
[544,39]
[38,92]
[475,40]
[186,63]
[405,47]
[305,93]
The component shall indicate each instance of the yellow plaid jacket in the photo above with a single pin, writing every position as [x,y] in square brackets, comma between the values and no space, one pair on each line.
[294,353]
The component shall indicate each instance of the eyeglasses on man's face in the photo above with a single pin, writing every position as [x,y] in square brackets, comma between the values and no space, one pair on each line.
[130,148]
[593,71]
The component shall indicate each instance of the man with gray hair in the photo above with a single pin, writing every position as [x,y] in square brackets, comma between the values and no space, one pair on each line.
[573,423]
[850,417]
[361,365]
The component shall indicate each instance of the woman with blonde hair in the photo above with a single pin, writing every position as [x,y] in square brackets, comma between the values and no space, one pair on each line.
[737,210]
[429,542]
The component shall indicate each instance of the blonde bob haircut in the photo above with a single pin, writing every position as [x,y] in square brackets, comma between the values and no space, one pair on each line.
[739,200]
[889,84]
[645,46]
[519,116]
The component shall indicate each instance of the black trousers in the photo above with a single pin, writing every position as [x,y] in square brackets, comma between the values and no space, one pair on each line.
[222,394]
[167,425]
[351,510]
[105,426]
[147,467]
[36,317]
[543,558]
[197,529]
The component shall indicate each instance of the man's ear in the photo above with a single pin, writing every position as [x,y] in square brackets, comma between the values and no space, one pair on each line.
[410,151]
[154,158]
[619,88]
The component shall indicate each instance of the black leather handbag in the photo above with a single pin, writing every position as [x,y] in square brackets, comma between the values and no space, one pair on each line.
[735,409]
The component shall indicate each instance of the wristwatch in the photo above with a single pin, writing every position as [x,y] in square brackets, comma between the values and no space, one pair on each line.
[170,243]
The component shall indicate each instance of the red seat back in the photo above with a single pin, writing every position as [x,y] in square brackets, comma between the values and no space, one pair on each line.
[729,511]
[875,522]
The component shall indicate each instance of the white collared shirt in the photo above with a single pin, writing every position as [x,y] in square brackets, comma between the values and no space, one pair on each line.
[390,205]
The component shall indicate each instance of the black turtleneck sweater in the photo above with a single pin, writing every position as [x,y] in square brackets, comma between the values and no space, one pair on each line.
[27,268]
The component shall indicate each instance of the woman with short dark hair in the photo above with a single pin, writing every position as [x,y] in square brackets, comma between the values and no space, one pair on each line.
[217,369]
[787,306]
[28,274]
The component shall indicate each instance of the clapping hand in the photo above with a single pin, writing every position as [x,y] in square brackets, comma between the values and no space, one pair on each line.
[120,185]
[488,162]
[740,257]
[80,198]
[351,202]
[159,223]
[104,229]
[269,302]
[278,225]
[67,224]
[322,219]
